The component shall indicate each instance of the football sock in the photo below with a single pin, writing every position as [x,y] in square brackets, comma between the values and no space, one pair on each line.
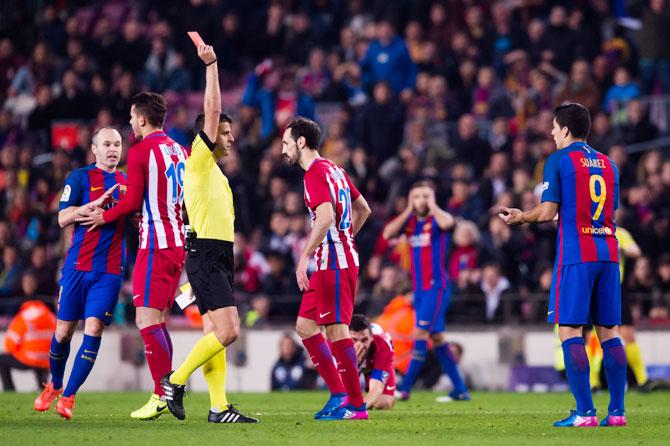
[166,333]
[202,351]
[577,368]
[614,361]
[322,358]
[415,365]
[83,363]
[157,351]
[58,354]
[449,366]
[634,357]
[347,367]
[215,375]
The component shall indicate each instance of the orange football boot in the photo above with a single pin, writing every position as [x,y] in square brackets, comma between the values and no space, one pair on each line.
[47,397]
[64,406]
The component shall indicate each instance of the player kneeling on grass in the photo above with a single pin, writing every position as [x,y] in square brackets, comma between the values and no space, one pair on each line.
[374,350]
[92,273]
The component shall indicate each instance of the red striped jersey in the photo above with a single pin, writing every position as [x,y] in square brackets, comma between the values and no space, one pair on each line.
[325,182]
[103,249]
[428,249]
[155,185]
[585,183]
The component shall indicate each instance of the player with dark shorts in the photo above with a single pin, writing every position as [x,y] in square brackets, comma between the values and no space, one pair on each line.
[581,185]
[338,211]
[209,264]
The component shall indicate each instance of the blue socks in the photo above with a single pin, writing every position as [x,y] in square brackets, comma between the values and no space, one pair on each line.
[449,366]
[58,354]
[83,364]
[415,366]
[577,369]
[614,361]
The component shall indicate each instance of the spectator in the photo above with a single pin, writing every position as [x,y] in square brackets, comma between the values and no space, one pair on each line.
[10,276]
[470,147]
[388,59]
[560,42]
[641,283]
[131,49]
[580,87]
[164,69]
[660,308]
[638,127]
[44,272]
[299,40]
[464,257]
[623,90]
[290,371]
[653,36]
[493,285]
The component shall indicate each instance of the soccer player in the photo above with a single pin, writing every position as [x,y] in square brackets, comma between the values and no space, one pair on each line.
[428,231]
[374,349]
[155,185]
[338,211]
[582,186]
[209,265]
[92,273]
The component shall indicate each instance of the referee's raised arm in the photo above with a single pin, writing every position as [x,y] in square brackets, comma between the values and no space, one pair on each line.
[212,102]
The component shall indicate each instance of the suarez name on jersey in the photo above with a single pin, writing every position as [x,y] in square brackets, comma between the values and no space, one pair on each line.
[104,249]
[585,183]
[325,182]
[428,244]
[156,169]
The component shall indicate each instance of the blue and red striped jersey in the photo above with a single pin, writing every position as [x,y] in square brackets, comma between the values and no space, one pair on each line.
[103,249]
[428,245]
[585,183]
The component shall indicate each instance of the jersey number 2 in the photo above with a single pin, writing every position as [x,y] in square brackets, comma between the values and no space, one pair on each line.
[175,174]
[344,196]
[598,195]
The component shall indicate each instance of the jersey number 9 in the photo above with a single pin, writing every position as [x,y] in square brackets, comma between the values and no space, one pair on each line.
[598,194]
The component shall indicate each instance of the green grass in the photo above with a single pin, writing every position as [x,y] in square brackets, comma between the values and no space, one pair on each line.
[286,418]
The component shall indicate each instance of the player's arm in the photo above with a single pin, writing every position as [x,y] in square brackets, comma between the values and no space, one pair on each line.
[542,213]
[212,104]
[445,221]
[69,215]
[325,218]
[376,388]
[393,228]
[359,214]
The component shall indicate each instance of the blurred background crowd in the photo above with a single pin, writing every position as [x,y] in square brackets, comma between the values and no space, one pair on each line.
[460,92]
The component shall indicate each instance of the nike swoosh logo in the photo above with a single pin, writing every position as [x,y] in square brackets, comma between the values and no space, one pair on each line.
[324,314]
[107,313]
[389,388]
[89,351]
[549,313]
[93,189]
[136,296]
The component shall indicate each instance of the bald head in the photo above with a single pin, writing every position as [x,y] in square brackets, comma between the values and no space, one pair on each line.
[107,145]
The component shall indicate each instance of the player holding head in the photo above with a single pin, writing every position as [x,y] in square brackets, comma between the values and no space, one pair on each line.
[338,211]
[428,230]
[374,349]
[93,270]
[582,186]
[209,264]
[155,186]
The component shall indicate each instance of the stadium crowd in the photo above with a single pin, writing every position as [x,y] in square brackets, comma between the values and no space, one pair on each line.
[461,92]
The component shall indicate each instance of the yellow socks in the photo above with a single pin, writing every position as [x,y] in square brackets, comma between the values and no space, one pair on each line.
[202,351]
[215,375]
[634,357]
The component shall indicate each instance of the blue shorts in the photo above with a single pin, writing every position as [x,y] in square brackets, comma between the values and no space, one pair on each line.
[85,294]
[585,293]
[431,309]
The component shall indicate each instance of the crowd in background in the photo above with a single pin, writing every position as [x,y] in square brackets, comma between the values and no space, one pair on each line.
[461,92]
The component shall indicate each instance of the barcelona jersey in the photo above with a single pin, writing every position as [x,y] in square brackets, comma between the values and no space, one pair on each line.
[428,244]
[585,183]
[102,250]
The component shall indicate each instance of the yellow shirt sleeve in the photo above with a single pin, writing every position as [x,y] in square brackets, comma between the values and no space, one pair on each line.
[624,238]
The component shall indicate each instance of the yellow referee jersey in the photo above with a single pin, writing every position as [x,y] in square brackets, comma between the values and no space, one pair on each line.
[208,198]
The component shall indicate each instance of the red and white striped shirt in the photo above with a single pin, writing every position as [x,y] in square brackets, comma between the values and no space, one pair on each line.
[325,182]
[155,184]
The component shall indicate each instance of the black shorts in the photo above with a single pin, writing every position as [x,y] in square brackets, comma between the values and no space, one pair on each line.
[210,269]
[626,314]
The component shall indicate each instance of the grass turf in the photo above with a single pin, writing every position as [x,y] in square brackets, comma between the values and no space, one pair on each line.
[286,418]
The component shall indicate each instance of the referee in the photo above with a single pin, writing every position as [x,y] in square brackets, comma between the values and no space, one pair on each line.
[209,264]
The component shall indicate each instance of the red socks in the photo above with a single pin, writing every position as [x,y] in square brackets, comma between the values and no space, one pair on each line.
[321,356]
[158,353]
[347,365]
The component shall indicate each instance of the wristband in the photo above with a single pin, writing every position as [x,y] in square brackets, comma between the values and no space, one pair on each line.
[208,64]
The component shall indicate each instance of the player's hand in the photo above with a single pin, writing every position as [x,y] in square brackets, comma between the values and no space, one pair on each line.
[430,193]
[301,273]
[511,216]
[410,201]
[104,198]
[360,352]
[93,219]
[206,54]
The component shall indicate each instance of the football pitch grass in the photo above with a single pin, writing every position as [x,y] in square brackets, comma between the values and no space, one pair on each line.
[286,418]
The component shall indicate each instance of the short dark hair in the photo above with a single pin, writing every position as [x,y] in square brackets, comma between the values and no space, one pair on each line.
[152,106]
[308,129]
[575,117]
[200,120]
[359,322]
[423,183]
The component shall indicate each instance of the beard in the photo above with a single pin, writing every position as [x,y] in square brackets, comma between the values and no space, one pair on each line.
[291,161]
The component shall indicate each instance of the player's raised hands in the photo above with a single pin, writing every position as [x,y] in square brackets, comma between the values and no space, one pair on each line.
[206,54]
[511,216]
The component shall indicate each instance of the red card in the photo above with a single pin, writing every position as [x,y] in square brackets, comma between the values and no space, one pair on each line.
[195,37]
